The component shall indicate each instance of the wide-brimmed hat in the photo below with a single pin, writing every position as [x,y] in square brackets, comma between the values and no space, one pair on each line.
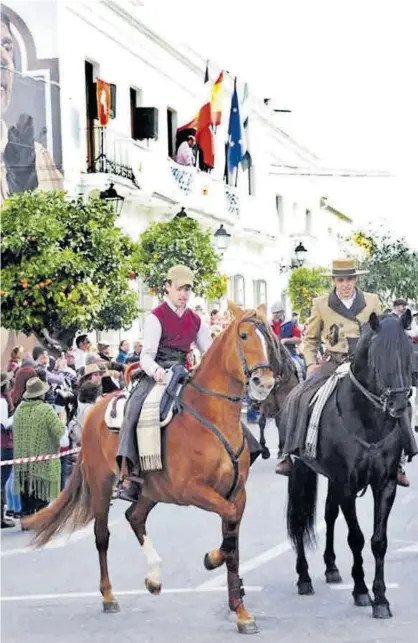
[35,387]
[92,369]
[180,276]
[344,268]
[4,378]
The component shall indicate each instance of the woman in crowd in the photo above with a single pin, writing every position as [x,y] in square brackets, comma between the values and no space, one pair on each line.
[15,359]
[6,410]
[123,352]
[37,431]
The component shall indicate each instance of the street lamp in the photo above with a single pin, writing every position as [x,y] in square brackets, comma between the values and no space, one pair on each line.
[222,239]
[113,198]
[297,261]
[300,254]
[182,214]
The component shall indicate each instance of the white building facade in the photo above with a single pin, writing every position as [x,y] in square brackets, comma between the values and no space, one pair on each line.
[273,207]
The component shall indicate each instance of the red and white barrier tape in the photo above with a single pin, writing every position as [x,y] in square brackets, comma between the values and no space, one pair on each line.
[40,458]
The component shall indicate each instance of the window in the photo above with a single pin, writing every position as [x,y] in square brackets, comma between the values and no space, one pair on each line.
[308,221]
[135,97]
[90,74]
[280,213]
[239,290]
[260,292]
[171,131]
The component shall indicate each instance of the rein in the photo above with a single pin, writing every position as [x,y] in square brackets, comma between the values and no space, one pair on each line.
[233,455]
[379,401]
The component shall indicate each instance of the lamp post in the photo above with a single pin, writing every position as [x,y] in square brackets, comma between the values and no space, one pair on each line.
[222,239]
[297,261]
[113,198]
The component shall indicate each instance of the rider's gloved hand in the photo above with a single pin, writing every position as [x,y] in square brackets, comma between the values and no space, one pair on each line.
[159,375]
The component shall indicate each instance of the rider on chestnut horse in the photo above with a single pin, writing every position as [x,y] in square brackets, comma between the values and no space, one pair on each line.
[169,332]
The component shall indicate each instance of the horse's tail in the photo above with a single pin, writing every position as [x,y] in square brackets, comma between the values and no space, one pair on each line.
[301,505]
[72,509]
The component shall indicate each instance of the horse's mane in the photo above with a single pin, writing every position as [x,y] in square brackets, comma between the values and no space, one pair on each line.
[389,347]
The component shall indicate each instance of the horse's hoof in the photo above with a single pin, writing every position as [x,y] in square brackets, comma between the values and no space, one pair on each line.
[247,627]
[305,588]
[153,586]
[362,600]
[111,607]
[381,611]
[265,453]
[211,564]
[333,577]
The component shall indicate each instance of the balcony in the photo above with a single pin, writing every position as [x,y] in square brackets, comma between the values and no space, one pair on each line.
[158,177]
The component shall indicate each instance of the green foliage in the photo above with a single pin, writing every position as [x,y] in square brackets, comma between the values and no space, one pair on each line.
[304,285]
[393,266]
[179,241]
[65,266]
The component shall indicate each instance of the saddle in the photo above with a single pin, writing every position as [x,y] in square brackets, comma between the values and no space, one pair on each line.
[169,405]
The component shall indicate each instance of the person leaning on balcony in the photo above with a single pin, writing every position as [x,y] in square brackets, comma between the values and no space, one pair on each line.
[185,155]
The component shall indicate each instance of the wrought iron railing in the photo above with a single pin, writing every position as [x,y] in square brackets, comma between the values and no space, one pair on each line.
[113,154]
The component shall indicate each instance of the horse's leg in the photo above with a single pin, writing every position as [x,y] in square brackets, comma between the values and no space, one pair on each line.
[383,501]
[304,584]
[355,541]
[332,508]
[230,548]
[265,451]
[137,515]
[101,504]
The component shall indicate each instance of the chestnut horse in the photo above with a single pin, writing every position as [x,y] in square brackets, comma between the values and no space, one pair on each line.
[206,460]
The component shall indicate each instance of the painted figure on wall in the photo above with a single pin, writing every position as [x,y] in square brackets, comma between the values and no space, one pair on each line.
[26,124]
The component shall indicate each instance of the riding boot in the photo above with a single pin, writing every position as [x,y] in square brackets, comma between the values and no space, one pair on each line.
[130,493]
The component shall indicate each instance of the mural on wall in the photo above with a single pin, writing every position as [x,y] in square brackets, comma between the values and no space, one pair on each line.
[30,125]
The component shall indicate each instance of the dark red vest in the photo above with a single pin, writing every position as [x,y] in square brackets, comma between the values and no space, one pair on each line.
[177,332]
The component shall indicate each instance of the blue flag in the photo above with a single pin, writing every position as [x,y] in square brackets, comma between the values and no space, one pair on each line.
[236,146]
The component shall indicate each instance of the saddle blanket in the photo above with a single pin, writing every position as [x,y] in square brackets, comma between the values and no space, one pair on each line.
[114,412]
[318,403]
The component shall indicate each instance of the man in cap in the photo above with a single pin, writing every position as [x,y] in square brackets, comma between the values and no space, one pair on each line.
[399,306]
[337,319]
[169,332]
[278,315]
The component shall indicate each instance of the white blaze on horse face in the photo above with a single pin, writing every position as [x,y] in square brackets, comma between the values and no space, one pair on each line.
[263,343]
[153,560]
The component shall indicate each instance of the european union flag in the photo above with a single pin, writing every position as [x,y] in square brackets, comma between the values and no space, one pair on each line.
[236,148]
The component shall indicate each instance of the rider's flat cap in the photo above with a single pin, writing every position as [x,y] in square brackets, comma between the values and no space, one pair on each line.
[180,276]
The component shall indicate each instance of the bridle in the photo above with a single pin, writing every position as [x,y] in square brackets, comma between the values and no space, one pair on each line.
[379,401]
[247,370]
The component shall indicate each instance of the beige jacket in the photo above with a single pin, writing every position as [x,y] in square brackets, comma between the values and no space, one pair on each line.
[338,326]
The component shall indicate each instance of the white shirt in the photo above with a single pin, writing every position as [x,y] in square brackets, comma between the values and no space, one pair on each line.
[6,421]
[185,154]
[347,302]
[152,338]
[79,358]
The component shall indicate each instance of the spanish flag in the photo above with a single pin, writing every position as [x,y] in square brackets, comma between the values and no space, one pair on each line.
[216,100]
[103,101]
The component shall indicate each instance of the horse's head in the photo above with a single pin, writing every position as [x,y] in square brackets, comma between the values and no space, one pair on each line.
[388,356]
[249,351]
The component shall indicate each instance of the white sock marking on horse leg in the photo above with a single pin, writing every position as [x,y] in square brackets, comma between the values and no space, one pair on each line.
[153,560]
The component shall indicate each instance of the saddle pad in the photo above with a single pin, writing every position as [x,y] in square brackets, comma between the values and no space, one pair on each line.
[114,412]
[318,403]
[148,431]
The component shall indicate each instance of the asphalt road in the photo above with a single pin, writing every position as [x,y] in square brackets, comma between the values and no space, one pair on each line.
[52,594]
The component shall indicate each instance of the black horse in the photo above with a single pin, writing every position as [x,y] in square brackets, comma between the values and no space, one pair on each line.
[361,437]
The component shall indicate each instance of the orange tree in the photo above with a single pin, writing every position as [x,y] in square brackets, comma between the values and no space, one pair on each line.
[66,267]
[304,285]
[180,241]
